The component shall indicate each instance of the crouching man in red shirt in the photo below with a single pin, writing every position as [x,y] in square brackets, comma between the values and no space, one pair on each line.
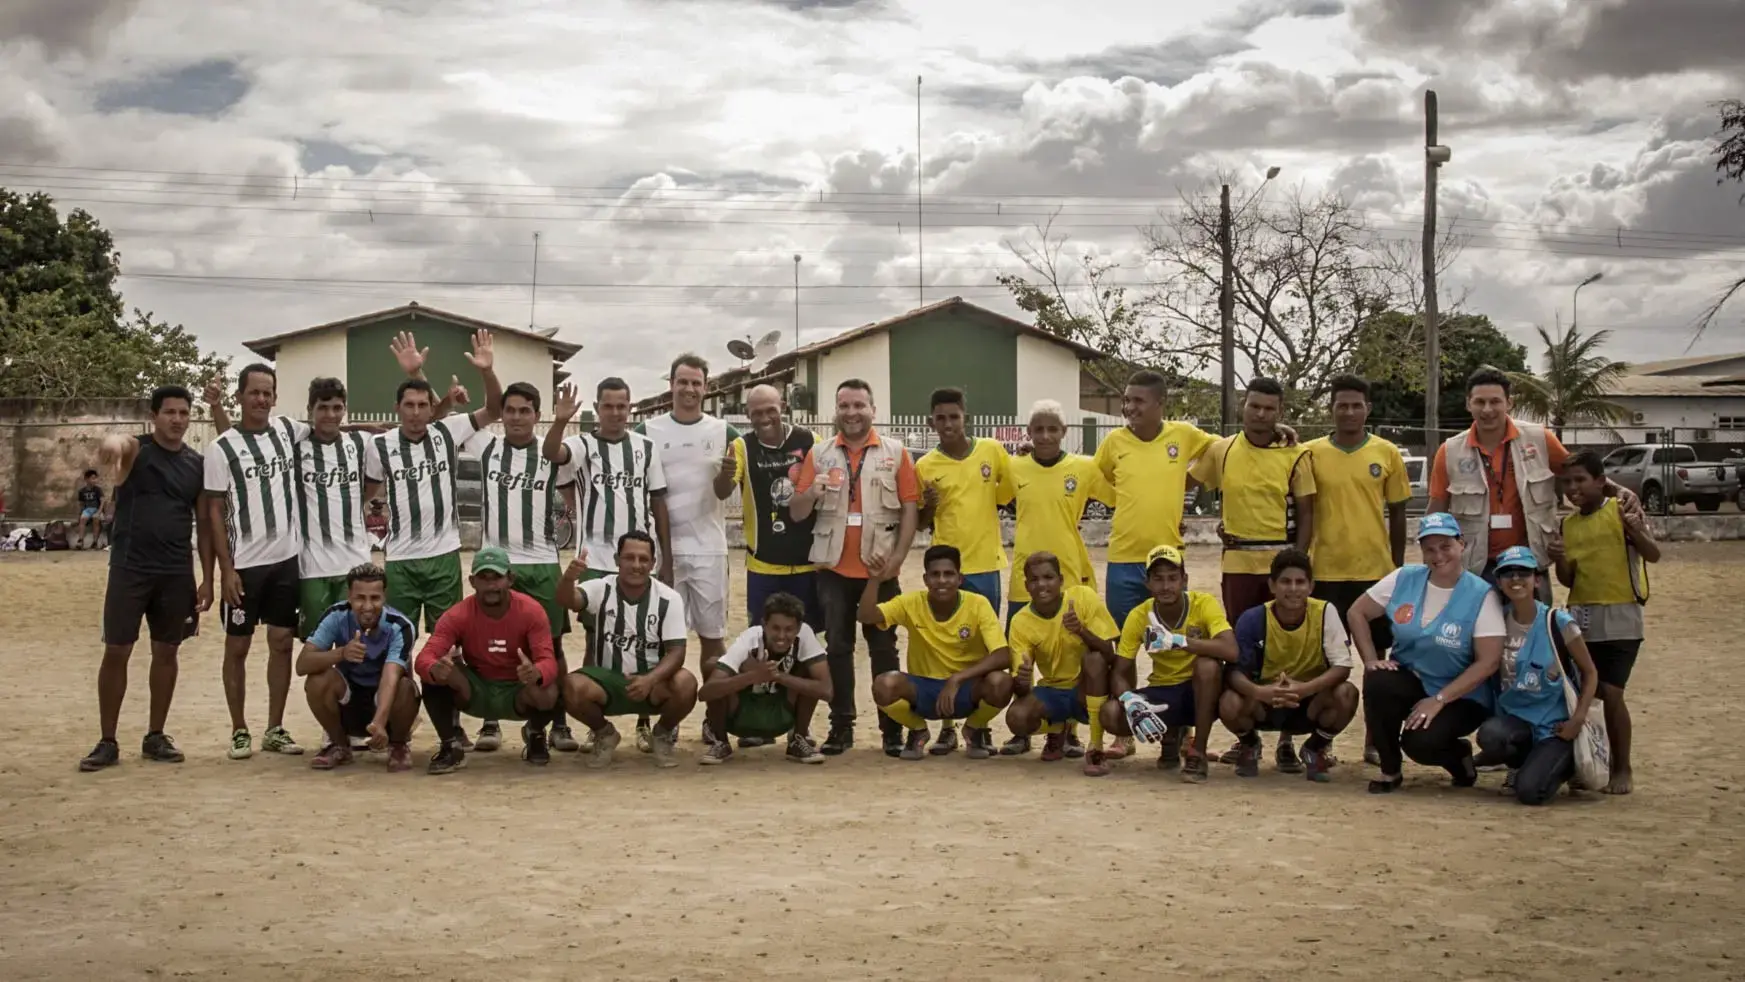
[505,668]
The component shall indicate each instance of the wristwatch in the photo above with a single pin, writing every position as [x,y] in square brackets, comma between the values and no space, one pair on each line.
[1440,699]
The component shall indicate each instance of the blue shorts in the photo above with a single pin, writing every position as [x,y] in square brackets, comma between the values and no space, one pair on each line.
[1125,590]
[88,513]
[926,701]
[1060,705]
[986,584]
[759,587]
[1012,608]
[1178,697]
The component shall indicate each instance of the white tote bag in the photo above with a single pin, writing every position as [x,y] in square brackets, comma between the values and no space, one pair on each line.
[1593,747]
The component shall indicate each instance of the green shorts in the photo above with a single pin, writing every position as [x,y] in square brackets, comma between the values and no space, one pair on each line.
[617,686]
[762,714]
[427,586]
[491,700]
[314,596]
[540,583]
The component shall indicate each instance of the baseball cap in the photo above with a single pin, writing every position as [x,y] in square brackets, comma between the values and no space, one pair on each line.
[1164,554]
[491,559]
[1518,557]
[1438,523]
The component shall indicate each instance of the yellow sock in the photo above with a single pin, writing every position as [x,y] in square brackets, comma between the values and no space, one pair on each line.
[983,715]
[1094,707]
[903,713]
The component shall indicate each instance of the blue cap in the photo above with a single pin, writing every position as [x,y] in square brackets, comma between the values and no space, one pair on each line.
[1518,557]
[1438,523]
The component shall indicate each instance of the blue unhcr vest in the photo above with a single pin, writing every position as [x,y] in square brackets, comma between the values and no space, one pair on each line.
[1536,692]
[1437,652]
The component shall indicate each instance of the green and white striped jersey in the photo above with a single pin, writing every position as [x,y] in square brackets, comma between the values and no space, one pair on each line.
[256,472]
[418,476]
[331,480]
[627,635]
[522,497]
[617,478]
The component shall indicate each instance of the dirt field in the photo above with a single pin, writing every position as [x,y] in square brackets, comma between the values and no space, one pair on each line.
[862,868]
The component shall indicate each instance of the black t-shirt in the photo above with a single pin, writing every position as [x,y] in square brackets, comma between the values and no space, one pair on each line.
[781,541]
[90,496]
[154,510]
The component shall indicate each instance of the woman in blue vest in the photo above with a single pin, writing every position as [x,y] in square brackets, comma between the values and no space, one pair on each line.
[1533,731]
[1433,687]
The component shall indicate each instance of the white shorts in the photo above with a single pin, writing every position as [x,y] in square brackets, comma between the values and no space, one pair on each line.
[702,583]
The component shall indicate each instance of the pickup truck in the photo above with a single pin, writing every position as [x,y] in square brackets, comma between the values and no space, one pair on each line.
[1668,475]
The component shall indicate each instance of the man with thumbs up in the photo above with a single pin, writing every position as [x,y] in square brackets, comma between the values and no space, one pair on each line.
[505,667]
[1065,632]
[359,683]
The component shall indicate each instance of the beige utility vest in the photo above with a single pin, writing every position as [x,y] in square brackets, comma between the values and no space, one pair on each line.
[1470,496]
[876,498]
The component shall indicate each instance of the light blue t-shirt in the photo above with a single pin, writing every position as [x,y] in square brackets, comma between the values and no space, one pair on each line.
[389,642]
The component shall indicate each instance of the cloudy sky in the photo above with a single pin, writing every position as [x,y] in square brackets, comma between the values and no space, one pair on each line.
[266,165]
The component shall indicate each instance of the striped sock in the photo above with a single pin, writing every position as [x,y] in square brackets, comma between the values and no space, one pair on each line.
[1094,708]
[903,713]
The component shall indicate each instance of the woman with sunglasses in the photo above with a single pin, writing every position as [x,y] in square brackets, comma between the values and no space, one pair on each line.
[1534,731]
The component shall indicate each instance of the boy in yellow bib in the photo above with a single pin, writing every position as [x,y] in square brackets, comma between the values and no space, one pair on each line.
[1600,556]
[1293,671]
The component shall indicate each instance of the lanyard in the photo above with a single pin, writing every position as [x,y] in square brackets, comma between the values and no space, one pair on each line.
[1496,482]
[854,466]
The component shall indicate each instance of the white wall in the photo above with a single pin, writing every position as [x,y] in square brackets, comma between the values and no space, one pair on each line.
[868,358]
[1681,412]
[1047,371]
[521,359]
[302,360]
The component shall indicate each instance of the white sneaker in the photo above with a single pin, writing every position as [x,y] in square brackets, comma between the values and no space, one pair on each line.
[664,743]
[605,742]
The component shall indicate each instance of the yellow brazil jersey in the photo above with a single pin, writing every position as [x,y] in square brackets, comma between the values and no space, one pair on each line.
[1353,488]
[1150,478]
[971,491]
[1264,493]
[1607,570]
[1051,499]
[937,648]
[1057,654]
[1204,619]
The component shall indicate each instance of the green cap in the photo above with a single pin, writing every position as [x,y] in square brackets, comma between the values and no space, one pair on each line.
[491,559]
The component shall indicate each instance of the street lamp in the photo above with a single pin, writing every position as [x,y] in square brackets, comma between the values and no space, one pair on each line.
[1435,155]
[1575,300]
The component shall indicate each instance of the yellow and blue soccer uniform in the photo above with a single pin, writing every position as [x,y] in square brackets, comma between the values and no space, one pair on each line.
[967,515]
[1057,654]
[1050,500]
[1171,682]
[938,649]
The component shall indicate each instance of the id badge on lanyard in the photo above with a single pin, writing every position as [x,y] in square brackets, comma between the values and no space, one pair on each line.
[1494,484]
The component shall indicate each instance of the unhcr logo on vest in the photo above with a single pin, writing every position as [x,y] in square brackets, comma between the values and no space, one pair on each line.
[1449,636]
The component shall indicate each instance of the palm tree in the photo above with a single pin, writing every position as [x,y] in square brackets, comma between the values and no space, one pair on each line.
[1576,380]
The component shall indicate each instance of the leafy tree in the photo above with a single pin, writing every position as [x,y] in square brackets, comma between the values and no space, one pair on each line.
[1574,386]
[63,329]
[1389,352]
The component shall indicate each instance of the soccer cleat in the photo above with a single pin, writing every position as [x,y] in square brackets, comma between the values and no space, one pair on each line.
[980,742]
[1194,769]
[719,752]
[448,759]
[461,740]
[839,739]
[105,754]
[915,747]
[278,741]
[1119,747]
[1248,759]
[1015,747]
[1285,757]
[241,745]
[1315,765]
[331,756]
[605,743]
[947,741]
[644,735]
[563,740]
[801,750]
[159,747]
[586,744]
[1074,748]
[1171,756]
[533,748]
[490,737]
[664,741]
[1096,762]
[1053,747]
[1232,755]
[892,743]
[399,758]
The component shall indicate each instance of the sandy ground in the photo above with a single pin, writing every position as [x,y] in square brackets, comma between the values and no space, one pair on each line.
[862,868]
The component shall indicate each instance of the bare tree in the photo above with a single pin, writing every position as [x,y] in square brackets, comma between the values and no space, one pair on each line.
[1309,273]
[1730,163]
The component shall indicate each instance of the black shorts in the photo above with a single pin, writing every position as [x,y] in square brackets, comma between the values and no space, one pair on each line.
[357,709]
[1294,722]
[269,596]
[166,601]
[1614,660]
[1341,594]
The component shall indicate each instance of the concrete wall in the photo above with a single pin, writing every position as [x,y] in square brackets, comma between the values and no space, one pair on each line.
[1046,371]
[45,447]
[304,359]
[869,359]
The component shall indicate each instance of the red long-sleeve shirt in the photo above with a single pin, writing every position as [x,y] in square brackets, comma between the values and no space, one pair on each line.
[493,645]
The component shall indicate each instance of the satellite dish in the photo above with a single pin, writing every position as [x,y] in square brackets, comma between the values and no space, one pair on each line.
[765,349]
[741,349]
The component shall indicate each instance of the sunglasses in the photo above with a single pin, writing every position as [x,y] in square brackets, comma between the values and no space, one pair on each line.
[1515,573]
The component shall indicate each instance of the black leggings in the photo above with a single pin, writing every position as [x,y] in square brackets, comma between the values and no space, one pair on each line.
[1540,767]
[1388,698]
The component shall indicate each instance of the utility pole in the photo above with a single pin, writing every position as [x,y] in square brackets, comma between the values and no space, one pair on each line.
[796,301]
[1435,155]
[920,245]
[1226,315]
[533,301]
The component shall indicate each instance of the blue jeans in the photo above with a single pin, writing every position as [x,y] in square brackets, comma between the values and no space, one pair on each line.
[1125,590]
[759,587]
[986,584]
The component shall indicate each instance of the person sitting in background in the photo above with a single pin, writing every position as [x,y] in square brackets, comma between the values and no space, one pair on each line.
[90,507]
